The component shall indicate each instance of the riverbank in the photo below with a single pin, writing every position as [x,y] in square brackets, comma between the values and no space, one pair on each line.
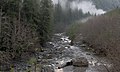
[58,52]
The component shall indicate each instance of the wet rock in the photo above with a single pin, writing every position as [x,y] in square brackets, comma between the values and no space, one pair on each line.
[47,68]
[68,46]
[29,66]
[61,49]
[48,56]
[80,62]
[50,44]
[65,65]
[77,62]
[88,54]
[19,68]
[38,60]
[40,57]
[44,61]
[83,45]
[80,69]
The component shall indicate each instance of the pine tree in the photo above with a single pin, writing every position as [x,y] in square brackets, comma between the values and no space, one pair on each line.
[46,21]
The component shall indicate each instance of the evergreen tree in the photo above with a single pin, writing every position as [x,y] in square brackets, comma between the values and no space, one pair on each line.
[44,28]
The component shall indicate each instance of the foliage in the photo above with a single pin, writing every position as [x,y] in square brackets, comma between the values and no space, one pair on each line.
[46,21]
[72,32]
[24,25]
[102,34]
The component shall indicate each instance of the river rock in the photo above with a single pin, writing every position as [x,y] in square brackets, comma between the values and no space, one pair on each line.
[47,69]
[80,62]
[77,62]
[83,45]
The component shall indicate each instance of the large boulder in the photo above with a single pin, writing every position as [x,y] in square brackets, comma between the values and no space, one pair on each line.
[80,62]
[76,62]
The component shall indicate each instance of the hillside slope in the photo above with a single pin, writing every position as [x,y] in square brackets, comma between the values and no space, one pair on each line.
[107,4]
[102,33]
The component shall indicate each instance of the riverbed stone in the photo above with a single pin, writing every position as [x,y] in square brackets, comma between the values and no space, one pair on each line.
[80,62]
[47,68]
[76,62]
[83,45]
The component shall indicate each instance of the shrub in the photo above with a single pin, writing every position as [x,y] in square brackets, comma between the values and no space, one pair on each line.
[72,32]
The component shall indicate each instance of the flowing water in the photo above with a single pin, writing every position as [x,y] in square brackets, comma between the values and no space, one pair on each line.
[59,51]
[62,52]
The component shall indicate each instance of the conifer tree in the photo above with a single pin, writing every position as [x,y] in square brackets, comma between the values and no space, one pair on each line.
[46,21]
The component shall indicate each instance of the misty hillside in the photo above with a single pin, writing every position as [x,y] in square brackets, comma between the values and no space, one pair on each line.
[100,4]
[69,11]
[104,4]
[107,4]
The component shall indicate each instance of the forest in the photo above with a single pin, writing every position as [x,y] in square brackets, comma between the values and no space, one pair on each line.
[25,26]
[59,36]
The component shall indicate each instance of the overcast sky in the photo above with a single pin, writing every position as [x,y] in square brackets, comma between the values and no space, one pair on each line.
[84,5]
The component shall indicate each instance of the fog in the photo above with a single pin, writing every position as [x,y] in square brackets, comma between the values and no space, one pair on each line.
[85,5]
